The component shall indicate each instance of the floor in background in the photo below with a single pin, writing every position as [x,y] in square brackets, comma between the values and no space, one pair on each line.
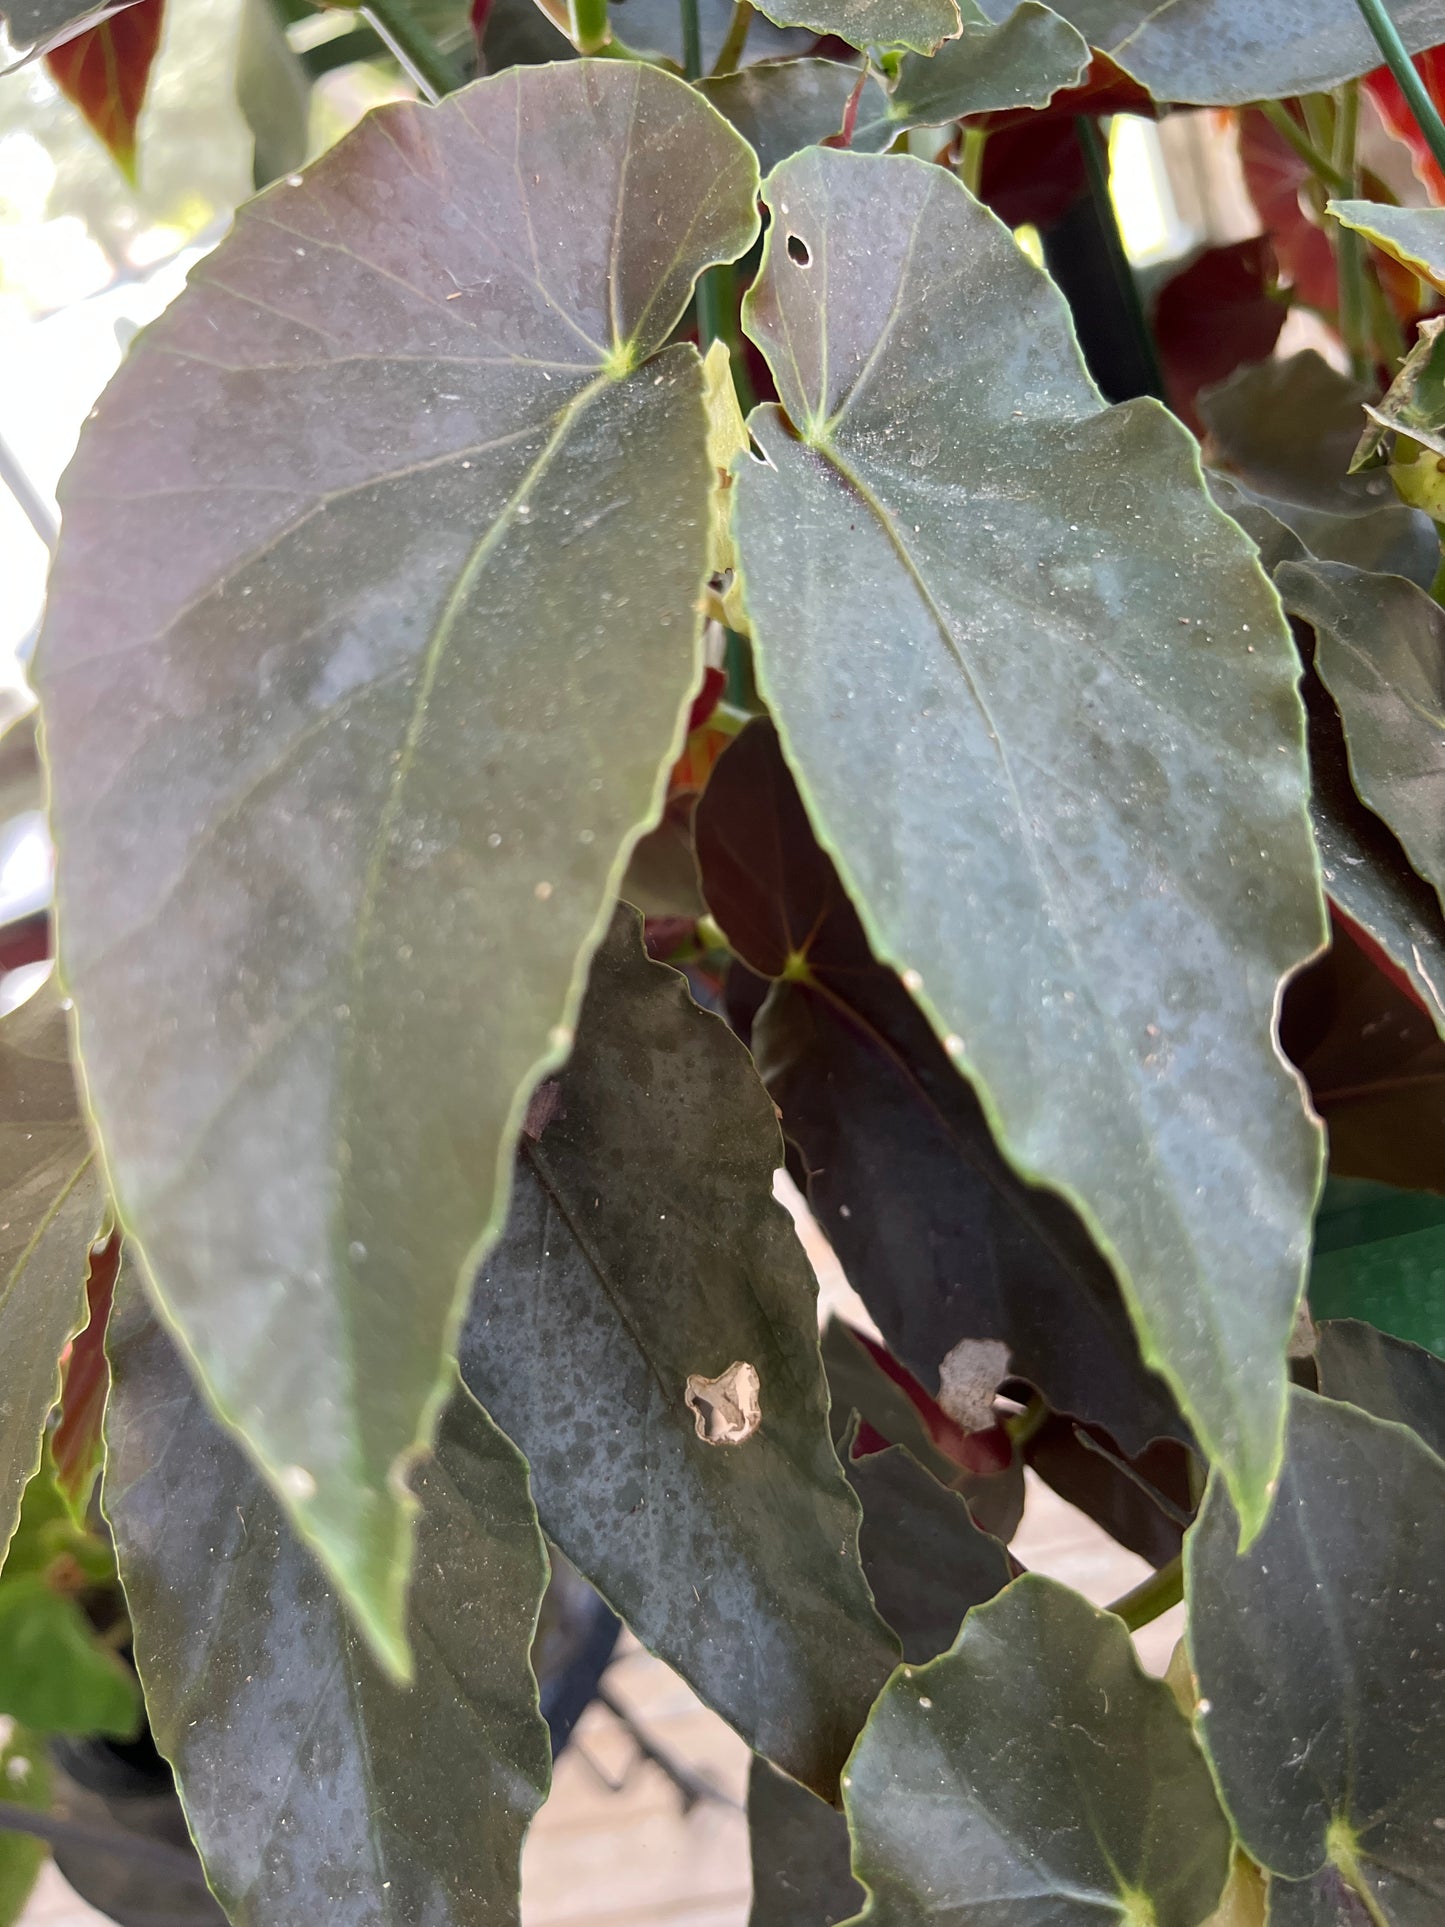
[634,1857]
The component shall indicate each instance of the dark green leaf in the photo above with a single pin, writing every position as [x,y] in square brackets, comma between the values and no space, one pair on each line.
[935,1232]
[1380,1256]
[344,784]
[1390,538]
[655,27]
[925,1560]
[1288,430]
[53,1204]
[1019,766]
[800,1855]
[782,106]
[1413,236]
[1380,651]
[920,24]
[55,1677]
[643,1258]
[1143,1502]
[34,26]
[1383,1376]
[1325,1901]
[25,1779]
[1034,1777]
[1227,52]
[316,1789]
[1320,1655]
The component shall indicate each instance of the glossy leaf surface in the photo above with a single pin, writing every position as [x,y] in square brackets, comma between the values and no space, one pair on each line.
[1017,766]
[936,1233]
[53,1202]
[1383,1376]
[1320,1654]
[1034,1775]
[1413,236]
[317,1789]
[401,534]
[800,1855]
[1228,52]
[924,1558]
[1380,1256]
[1380,649]
[644,1251]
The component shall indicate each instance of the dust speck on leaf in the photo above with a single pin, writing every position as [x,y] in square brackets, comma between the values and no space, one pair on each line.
[728,1408]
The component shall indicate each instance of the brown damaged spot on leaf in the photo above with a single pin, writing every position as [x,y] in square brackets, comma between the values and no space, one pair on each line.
[728,1409]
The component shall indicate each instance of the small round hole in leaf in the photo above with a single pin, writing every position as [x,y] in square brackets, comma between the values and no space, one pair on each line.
[798,250]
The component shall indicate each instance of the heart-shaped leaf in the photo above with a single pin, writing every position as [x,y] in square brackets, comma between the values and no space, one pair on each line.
[1383,1376]
[939,1237]
[315,1787]
[1227,52]
[1034,1774]
[646,1331]
[401,535]
[1380,651]
[1413,236]
[53,1202]
[1320,1654]
[1380,1256]
[1017,768]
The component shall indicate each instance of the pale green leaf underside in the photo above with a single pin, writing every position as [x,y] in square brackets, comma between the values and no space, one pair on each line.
[316,1788]
[644,1249]
[920,24]
[1229,52]
[51,1205]
[1033,1775]
[1041,704]
[369,644]
[1413,236]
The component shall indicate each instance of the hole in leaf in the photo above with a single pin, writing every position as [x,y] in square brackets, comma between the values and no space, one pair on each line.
[798,250]
[727,1408]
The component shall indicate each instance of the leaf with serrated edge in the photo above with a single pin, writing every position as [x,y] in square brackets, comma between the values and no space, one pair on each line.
[1380,651]
[644,1251]
[53,1204]
[1068,798]
[315,1787]
[1413,236]
[1226,53]
[1384,1376]
[1033,1773]
[402,537]
[1320,1655]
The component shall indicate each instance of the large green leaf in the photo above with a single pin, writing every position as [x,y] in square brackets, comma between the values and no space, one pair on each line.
[1320,1655]
[643,1260]
[1228,52]
[53,1202]
[1380,650]
[1383,1376]
[1387,536]
[1413,236]
[781,106]
[937,1235]
[1380,1256]
[1034,1776]
[401,534]
[800,1855]
[1041,704]
[315,1787]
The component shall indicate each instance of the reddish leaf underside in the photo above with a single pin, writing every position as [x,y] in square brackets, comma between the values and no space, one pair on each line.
[105,72]
[75,1445]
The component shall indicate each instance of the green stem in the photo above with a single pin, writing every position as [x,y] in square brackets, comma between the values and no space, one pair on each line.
[590,31]
[1397,59]
[1288,128]
[1096,169]
[691,41]
[970,161]
[1349,247]
[1152,1597]
[737,38]
[435,73]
